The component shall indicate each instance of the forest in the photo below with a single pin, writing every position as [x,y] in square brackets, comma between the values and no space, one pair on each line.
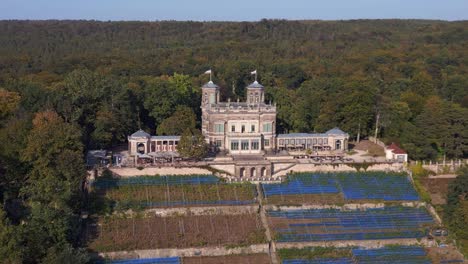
[70,86]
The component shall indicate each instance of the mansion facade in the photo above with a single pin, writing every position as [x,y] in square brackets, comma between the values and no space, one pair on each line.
[240,128]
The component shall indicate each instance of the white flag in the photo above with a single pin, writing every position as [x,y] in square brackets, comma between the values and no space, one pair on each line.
[254,72]
[208,71]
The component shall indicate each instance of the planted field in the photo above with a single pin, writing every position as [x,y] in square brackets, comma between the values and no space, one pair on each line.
[333,224]
[231,259]
[117,233]
[340,187]
[169,260]
[393,254]
[161,191]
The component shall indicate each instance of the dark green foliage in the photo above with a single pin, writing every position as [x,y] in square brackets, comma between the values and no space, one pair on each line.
[456,210]
[192,144]
[112,78]
[182,119]
[95,83]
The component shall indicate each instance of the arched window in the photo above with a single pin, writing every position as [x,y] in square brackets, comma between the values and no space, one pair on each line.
[242,172]
[263,172]
[141,148]
[253,172]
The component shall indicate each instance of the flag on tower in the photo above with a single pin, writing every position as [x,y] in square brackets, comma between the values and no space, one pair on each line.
[254,72]
[208,72]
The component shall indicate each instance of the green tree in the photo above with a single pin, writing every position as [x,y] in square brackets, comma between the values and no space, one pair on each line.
[183,118]
[456,210]
[66,255]
[9,101]
[10,248]
[55,151]
[192,144]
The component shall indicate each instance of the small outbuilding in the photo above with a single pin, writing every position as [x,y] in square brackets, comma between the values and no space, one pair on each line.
[395,153]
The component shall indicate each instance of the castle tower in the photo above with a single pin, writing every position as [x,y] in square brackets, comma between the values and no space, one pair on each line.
[210,94]
[255,93]
[210,97]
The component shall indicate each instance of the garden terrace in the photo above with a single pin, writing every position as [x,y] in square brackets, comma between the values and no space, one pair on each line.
[165,191]
[389,254]
[340,187]
[334,224]
[229,259]
[116,233]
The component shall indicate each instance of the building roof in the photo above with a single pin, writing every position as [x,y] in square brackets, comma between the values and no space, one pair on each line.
[166,137]
[300,135]
[255,85]
[210,84]
[335,131]
[396,149]
[140,133]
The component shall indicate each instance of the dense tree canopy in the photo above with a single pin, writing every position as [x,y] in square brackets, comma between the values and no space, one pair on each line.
[70,86]
[456,210]
[114,77]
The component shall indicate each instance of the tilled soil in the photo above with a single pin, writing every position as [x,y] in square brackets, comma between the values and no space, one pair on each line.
[438,189]
[116,233]
[233,259]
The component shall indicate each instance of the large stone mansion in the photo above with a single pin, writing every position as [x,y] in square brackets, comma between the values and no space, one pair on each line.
[240,128]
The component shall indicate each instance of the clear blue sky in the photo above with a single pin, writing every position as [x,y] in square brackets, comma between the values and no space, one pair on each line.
[233,10]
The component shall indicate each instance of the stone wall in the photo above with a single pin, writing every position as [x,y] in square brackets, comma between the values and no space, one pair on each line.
[186,252]
[278,169]
[151,171]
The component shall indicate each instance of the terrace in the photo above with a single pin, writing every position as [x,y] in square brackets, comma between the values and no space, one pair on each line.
[340,187]
[333,224]
[164,191]
[389,254]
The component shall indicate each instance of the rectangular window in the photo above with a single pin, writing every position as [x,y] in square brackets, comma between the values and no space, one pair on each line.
[219,128]
[254,145]
[315,141]
[252,128]
[266,142]
[298,141]
[308,141]
[243,129]
[234,145]
[244,145]
[325,141]
[320,141]
[287,141]
[233,128]
[281,142]
[218,143]
[267,127]
[212,98]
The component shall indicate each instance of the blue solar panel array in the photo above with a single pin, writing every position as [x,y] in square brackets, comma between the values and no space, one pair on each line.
[376,185]
[170,260]
[104,183]
[390,255]
[332,224]
[174,180]
[302,184]
[401,254]
[353,185]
